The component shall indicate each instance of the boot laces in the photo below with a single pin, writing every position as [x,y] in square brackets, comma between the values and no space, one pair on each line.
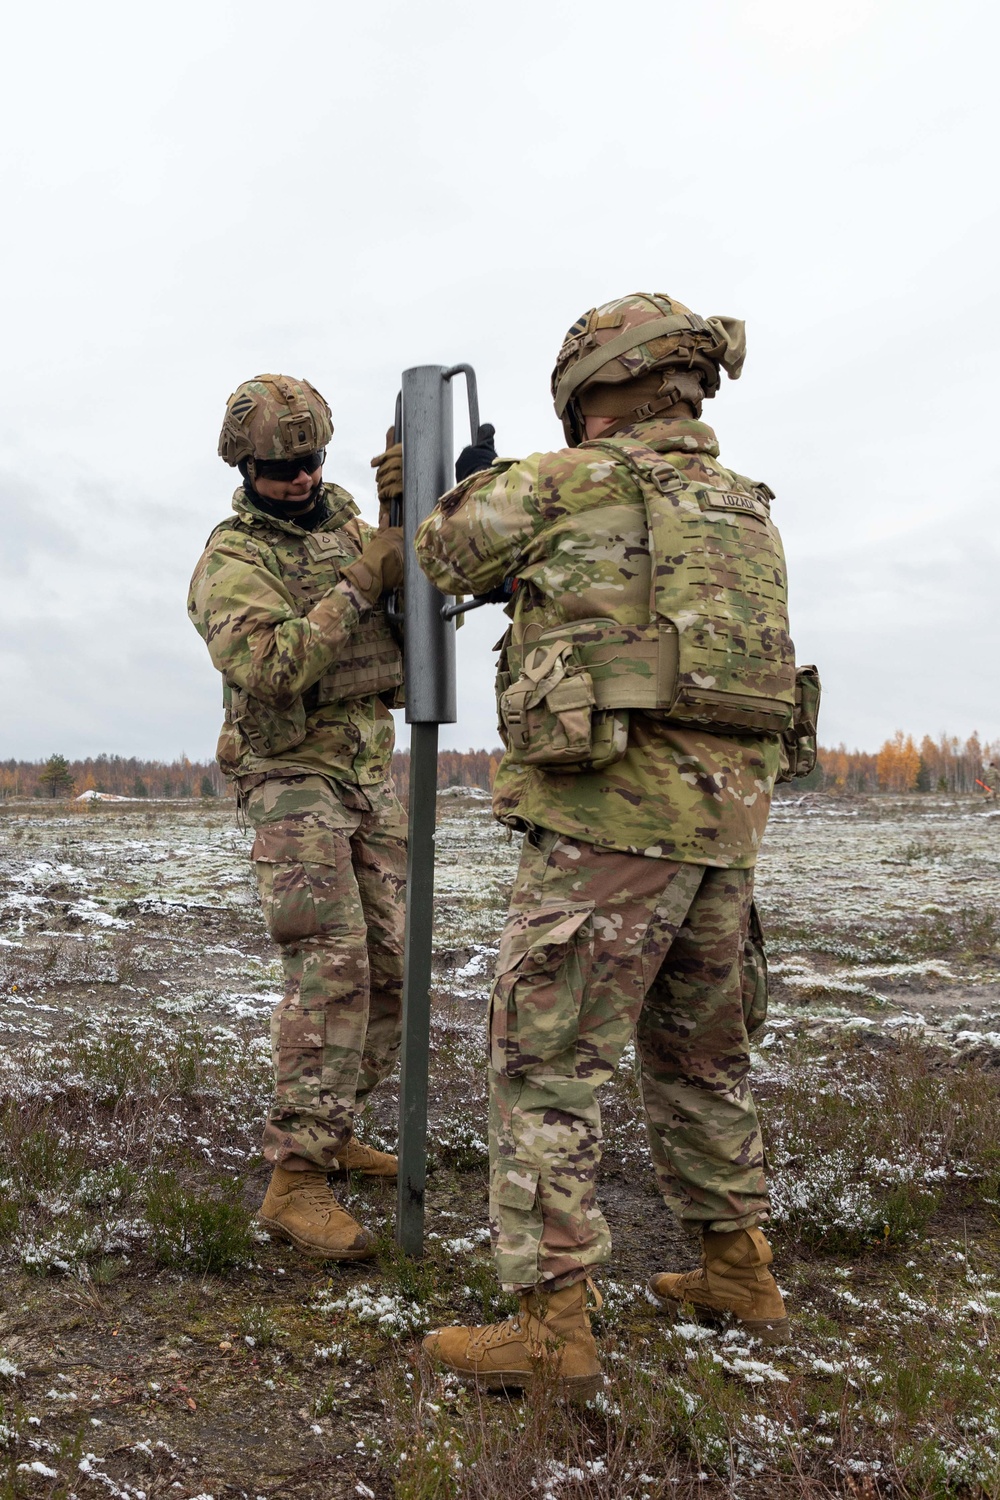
[318,1196]
[500,1333]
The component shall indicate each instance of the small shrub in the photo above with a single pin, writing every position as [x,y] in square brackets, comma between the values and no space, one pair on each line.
[187,1228]
[920,851]
[908,1210]
[914,1387]
[459,1143]
[138,1060]
[127,955]
[415,1279]
[971,930]
[491,1302]
[107,1186]
[40,1153]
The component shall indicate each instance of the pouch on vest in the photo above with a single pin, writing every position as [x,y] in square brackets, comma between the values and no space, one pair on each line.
[799,743]
[503,681]
[268,731]
[370,661]
[753,974]
[550,719]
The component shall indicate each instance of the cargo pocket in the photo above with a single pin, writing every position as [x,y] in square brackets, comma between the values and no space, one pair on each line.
[544,966]
[754,974]
[516,1186]
[299,897]
[292,897]
[300,1042]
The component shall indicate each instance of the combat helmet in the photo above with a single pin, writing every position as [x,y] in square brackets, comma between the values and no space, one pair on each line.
[274,417]
[637,356]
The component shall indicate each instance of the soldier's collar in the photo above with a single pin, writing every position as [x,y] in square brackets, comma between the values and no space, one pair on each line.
[669,435]
[340,507]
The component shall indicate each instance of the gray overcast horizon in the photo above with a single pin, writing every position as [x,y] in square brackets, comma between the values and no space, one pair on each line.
[198,193]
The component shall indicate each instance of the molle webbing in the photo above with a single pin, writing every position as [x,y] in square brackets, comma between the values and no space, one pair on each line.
[630,666]
[370,663]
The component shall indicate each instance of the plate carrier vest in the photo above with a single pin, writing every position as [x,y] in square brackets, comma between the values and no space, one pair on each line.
[371,662]
[711,649]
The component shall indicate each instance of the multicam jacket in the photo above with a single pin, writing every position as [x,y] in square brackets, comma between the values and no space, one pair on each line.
[689,794]
[308,666]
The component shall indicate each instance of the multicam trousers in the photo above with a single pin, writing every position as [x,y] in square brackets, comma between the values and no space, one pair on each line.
[331,870]
[599,947]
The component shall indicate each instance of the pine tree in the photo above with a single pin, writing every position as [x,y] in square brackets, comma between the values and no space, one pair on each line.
[56,777]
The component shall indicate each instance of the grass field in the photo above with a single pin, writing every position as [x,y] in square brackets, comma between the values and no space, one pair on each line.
[154,1343]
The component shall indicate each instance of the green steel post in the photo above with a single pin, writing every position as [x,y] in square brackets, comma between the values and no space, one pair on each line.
[416,990]
[428,456]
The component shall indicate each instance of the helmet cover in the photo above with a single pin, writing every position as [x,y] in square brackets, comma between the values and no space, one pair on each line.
[274,417]
[625,342]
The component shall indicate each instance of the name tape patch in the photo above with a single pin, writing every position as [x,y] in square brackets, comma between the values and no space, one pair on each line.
[731,500]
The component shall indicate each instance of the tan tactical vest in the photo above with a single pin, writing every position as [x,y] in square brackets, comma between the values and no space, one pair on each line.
[371,663]
[693,630]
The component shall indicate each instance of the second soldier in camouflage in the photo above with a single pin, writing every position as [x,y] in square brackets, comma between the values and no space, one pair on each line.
[646,690]
[287,598]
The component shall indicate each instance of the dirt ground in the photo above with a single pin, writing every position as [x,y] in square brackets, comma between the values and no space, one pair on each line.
[153,1342]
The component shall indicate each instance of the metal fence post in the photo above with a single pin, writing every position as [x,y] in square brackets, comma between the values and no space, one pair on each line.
[428,453]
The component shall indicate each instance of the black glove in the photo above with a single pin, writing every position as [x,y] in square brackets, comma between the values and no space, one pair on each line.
[503,593]
[478,455]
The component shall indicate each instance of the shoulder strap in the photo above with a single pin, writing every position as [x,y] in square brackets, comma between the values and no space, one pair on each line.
[645,462]
[656,468]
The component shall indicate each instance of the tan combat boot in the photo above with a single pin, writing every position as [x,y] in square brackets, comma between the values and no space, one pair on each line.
[300,1207]
[550,1336]
[355,1157]
[732,1278]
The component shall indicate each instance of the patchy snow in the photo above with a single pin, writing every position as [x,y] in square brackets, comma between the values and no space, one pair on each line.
[389,1311]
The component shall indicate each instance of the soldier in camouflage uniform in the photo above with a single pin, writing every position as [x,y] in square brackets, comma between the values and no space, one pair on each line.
[287,598]
[991,779]
[646,690]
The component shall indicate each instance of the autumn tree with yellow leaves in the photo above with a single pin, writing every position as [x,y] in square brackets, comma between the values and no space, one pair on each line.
[898,764]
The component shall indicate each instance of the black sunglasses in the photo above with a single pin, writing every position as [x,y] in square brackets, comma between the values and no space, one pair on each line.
[287,469]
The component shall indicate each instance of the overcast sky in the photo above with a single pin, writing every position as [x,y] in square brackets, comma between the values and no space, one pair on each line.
[199,192]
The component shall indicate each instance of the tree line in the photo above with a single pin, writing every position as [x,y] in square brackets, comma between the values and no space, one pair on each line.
[455,768]
[120,775]
[948,764]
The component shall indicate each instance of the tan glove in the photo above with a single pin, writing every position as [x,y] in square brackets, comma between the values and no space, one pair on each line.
[388,468]
[380,566]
